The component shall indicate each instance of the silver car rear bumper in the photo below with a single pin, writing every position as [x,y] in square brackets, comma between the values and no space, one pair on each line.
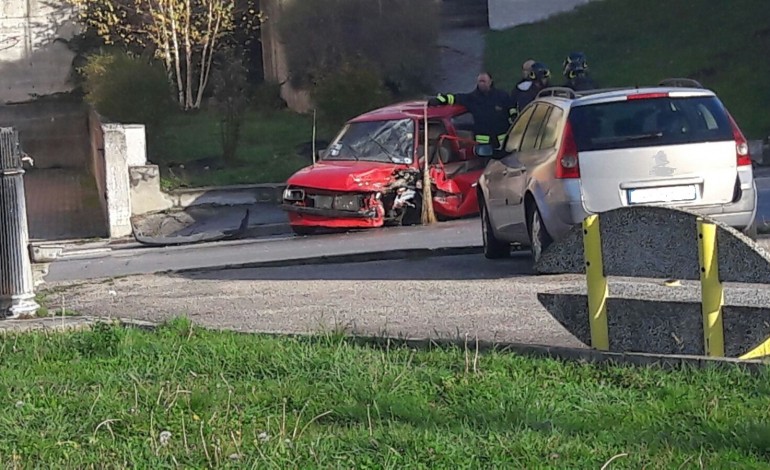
[739,215]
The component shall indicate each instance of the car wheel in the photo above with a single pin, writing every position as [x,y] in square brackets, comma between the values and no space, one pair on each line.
[538,235]
[303,230]
[493,248]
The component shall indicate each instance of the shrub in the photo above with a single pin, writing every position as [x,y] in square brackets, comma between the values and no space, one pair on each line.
[398,35]
[230,80]
[267,97]
[128,89]
[353,89]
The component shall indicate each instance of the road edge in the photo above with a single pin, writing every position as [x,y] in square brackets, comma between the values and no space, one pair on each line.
[362,257]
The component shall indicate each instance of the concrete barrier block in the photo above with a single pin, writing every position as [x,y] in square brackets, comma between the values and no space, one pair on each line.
[657,242]
[647,318]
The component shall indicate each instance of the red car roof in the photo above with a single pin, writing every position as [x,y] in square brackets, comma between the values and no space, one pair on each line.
[408,109]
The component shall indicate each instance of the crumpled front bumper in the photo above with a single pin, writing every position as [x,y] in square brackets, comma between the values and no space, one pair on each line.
[333,218]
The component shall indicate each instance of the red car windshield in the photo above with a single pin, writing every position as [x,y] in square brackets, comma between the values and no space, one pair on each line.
[375,141]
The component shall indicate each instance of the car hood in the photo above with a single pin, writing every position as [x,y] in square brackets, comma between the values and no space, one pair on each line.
[345,176]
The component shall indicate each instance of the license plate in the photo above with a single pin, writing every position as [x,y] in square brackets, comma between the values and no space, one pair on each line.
[664,194]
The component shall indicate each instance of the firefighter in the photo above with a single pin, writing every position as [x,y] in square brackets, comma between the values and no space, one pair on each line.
[525,83]
[540,78]
[576,72]
[491,109]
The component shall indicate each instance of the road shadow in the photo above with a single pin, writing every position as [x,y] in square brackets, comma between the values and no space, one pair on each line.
[472,267]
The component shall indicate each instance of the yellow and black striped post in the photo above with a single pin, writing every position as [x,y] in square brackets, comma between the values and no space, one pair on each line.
[712,293]
[598,288]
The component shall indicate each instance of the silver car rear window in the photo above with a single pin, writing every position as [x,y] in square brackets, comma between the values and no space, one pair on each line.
[650,122]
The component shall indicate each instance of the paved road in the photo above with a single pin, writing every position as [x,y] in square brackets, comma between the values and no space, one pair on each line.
[122,262]
[145,260]
[442,297]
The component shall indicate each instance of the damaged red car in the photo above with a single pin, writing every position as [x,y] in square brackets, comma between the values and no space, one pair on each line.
[371,173]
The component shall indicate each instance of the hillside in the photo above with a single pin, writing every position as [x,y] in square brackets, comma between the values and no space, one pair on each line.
[725,44]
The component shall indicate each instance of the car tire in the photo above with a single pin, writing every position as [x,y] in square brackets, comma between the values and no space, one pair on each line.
[493,248]
[302,230]
[539,238]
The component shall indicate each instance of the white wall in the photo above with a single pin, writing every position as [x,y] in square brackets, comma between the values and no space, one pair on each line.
[31,63]
[505,14]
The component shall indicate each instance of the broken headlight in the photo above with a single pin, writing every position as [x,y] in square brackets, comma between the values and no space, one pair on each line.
[293,194]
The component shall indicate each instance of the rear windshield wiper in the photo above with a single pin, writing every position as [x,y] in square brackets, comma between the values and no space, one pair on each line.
[630,138]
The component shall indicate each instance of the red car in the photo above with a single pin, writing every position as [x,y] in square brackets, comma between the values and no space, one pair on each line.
[370,175]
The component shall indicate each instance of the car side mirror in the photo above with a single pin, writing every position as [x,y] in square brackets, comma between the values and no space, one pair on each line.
[483,150]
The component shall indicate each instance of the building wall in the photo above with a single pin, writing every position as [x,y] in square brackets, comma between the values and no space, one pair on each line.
[32,61]
[505,14]
[274,57]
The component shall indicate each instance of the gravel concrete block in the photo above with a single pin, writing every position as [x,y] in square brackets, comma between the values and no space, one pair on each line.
[657,242]
[646,317]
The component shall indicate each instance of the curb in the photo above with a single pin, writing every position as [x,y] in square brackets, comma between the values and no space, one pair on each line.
[266,230]
[385,255]
[268,193]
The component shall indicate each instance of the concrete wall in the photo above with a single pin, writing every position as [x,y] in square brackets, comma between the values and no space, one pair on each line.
[96,158]
[274,57]
[32,62]
[505,14]
[146,195]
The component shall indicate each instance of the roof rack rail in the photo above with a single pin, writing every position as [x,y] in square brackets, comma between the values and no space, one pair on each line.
[681,83]
[560,91]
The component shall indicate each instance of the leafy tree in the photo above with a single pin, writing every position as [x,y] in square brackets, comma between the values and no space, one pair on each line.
[231,95]
[184,34]
[396,37]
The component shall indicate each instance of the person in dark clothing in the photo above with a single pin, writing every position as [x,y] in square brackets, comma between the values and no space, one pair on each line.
[525,83]
[576,72]
[540,76]
[491,109]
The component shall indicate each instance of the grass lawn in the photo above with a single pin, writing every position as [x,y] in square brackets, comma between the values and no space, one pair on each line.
[185,397]
[722,43]
[267,151]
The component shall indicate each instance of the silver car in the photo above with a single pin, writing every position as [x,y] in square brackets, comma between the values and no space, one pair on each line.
[570,154]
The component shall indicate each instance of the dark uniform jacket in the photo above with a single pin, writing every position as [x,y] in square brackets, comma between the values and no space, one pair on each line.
[491,111]
[581,82]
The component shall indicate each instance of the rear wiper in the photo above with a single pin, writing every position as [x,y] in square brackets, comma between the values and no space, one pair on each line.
[630,138]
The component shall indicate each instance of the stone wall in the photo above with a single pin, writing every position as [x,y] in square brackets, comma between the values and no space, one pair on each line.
[34,58]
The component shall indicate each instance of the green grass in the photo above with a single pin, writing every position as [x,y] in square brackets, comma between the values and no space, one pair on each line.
[722,43]
[267,151]
[44,311]
[186,397]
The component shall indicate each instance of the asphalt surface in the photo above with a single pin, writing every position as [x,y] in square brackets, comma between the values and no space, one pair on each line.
[144,260]
[442,297]
[134,260]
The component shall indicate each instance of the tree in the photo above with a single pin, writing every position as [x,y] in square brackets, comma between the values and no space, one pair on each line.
[232,100]
[184,34]
[398,37]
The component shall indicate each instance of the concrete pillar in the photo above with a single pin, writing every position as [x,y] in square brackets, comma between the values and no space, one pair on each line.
[116,163]
[17,296]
